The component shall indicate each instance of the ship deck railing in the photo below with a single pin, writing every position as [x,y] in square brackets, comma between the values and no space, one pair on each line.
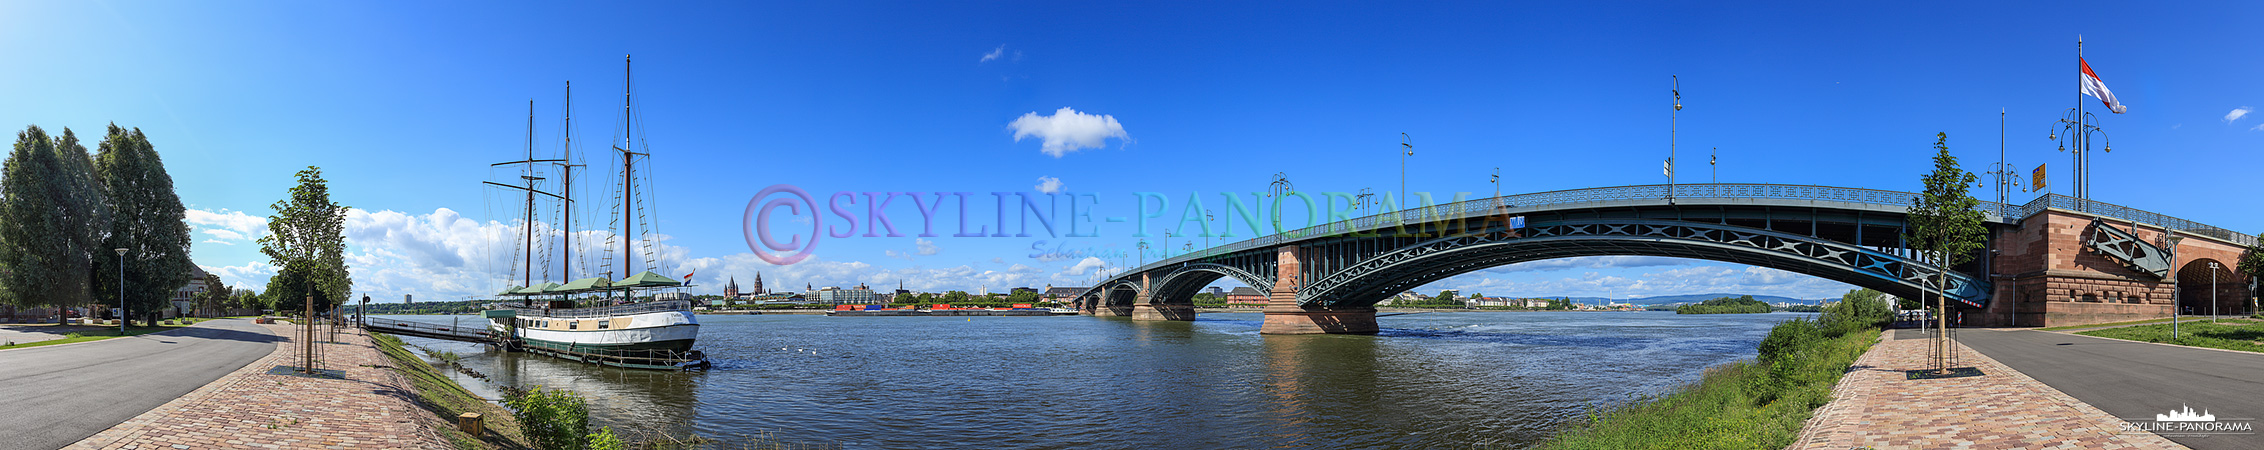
[602,311]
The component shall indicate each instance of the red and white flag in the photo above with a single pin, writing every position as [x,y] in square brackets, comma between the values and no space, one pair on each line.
[2095,88]
[688,275]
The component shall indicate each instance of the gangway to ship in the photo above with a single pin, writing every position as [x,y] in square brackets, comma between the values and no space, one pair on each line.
[434,331]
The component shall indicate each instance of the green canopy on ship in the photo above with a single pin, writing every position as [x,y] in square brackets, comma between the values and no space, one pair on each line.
[646,279]
[514,290]
[538,289]
[585,284]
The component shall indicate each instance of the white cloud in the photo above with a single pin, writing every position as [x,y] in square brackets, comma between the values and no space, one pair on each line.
[1049,185]
[1067,130]
[2237,113]
[1089,264]
[927,247]
[995,53]
[226,226]
[2258,127]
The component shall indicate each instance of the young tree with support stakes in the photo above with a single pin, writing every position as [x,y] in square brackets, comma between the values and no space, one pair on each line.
[146,219]
[1945,224]
[307,244]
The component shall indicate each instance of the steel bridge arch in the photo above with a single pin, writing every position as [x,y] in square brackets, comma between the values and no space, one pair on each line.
[1181,284]
[1411,266]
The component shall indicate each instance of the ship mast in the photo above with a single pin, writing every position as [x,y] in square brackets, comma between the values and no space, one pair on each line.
[566,185]
[628,173]
[529,177]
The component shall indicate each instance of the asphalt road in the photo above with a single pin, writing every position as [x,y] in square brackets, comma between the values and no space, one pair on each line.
[53,396]
[2137,380]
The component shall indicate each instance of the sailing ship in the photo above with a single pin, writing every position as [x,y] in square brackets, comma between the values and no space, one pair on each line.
[595,319]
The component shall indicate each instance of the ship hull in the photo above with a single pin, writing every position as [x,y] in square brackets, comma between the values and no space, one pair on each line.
[633,335]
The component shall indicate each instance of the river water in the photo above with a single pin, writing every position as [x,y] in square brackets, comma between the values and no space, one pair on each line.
[1433,380]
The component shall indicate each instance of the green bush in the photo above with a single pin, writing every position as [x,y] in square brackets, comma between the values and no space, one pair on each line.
[1859,310]
[605,440]
[1782,354]
[1726,305]
[550,419]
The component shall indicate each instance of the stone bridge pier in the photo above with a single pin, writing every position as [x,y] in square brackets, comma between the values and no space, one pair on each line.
[1285,316]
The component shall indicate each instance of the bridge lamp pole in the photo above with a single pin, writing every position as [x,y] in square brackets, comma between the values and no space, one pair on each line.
[121,290]
[1407,144]
[1207,236]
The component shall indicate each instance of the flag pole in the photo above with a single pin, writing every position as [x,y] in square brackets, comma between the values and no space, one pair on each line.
[2082,197]
[1673,125]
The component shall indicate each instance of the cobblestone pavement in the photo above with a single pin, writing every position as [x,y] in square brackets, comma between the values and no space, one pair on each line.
[1876,406]
[371,407]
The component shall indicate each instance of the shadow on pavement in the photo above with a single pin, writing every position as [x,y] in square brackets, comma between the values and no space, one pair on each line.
[222,334]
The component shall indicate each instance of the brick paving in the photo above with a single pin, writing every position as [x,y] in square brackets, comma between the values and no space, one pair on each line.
[1876,406]
[370,408]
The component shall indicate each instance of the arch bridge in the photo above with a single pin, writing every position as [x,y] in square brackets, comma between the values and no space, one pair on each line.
[2112,264]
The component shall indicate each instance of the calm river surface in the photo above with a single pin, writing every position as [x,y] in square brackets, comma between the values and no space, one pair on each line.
[1434,380]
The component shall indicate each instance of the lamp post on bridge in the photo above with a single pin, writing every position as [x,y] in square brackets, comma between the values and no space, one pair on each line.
[1407,143]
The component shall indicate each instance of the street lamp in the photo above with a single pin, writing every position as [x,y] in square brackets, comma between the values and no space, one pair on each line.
[2212,292]
[1408,144]
[2175,303]
[121,290]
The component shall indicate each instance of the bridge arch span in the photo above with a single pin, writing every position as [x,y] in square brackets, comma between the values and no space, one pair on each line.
[1369,281]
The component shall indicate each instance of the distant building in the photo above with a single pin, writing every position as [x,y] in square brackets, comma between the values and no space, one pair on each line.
[731,288]
[1055,294]
[184,299]
[1215,290]
[779,297]
[830,295]
[1490,301]
[1245,296]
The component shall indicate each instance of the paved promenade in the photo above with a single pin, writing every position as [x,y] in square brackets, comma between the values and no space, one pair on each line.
[59,394]
[1876,406]
[370,408]
[2137,379]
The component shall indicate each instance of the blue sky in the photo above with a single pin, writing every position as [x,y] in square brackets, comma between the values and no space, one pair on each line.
[404,104]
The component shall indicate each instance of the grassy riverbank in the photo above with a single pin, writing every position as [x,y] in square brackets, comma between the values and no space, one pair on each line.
[443,397]
[2228,334]
[1758,403]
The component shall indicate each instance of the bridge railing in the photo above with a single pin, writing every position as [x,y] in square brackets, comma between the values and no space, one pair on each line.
[1478,208]
[2143,217]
